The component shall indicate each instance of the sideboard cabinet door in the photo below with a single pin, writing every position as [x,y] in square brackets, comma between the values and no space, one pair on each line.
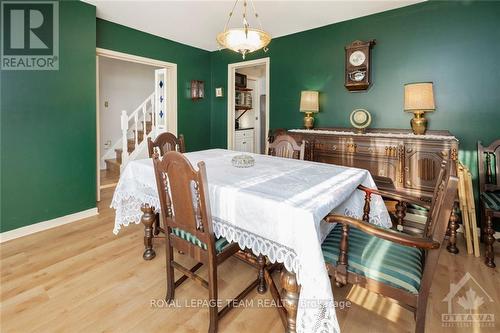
[422,165]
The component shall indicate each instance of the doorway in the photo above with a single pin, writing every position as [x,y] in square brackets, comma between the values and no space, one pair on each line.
[248,106]
[127,83]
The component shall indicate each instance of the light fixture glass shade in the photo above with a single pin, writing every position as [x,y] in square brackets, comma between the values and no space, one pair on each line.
[309,101]
[419,97]
[243,42]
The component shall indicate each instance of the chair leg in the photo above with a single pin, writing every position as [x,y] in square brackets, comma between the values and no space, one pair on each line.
[261,287]
[170,274]
[420,314]
[156,229]
[213,297]
[490,240]
[453,227]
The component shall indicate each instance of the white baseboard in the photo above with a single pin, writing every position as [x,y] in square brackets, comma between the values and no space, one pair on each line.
[41,226]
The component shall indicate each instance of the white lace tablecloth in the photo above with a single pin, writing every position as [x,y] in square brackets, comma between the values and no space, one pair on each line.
[274,208]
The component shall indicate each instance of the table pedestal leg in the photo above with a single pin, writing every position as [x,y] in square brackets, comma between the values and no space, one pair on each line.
[290,299]
[148,218]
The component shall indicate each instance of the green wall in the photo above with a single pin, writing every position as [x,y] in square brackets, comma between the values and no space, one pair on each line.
[193,117]
[48,138]
[48,133]
[453,44]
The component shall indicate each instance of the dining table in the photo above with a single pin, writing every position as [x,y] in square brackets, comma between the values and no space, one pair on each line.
[274,208]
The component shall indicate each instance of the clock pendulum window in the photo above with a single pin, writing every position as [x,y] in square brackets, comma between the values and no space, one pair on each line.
[357,65]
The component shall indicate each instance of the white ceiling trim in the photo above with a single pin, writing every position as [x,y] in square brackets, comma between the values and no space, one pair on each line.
[196,23]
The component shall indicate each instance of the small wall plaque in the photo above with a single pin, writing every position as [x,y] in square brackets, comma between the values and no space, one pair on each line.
[218,92]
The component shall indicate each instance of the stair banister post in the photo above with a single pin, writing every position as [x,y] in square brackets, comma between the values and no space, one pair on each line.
[124,126]
[144,129]
[153,114]
[136,121]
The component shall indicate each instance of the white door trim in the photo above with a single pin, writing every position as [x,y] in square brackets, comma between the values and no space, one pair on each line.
[231,68]
[171,117]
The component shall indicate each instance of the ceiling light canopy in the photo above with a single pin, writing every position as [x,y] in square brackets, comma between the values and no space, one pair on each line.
[244,40]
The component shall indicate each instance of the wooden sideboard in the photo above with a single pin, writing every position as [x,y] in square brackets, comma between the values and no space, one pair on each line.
[397,159]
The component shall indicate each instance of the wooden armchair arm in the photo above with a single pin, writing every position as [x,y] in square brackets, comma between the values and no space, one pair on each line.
[403,239]
[395,196]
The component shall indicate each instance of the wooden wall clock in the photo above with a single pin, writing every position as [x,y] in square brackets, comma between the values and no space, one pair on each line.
[357,65]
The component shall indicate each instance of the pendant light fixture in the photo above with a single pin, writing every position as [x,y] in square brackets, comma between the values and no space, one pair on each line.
[246,39]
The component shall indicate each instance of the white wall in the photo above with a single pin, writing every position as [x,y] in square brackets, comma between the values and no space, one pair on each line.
[124,85]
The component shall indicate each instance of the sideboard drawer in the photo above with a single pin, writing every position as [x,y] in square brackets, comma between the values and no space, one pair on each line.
[385,167]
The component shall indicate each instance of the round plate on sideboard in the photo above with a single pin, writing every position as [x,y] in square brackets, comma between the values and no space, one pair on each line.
[360,119]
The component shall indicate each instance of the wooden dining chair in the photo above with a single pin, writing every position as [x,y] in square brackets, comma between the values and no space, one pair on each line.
[488,159]
[166,142]
[185,208]
[387,262]
[163,143]
[284,145]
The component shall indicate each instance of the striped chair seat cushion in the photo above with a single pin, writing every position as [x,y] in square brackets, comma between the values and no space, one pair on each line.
[491,200]
[220,243]
[380,260]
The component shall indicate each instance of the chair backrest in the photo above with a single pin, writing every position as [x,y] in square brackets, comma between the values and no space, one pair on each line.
[286,146]
[184,203]
[445,194]
[443,172]
[273,133]
[488,159]
[166,142]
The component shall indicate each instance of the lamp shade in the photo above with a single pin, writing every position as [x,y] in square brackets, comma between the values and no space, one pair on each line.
[419,97]
[309,101]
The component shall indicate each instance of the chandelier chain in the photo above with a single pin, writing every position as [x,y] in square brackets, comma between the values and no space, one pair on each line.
[256,15]
[230,15]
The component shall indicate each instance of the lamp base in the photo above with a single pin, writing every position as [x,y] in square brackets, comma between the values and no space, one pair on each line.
[419,123]
[309,120]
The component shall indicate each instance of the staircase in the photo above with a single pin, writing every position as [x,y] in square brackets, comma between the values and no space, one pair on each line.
[114,164]
[136,128]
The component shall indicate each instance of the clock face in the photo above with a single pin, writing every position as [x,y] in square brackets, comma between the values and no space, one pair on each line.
[357,58]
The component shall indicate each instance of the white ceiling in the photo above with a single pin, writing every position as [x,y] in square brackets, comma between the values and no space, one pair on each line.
[196,23]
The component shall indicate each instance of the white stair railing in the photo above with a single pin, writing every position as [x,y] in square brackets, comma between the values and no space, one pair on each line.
[134,116]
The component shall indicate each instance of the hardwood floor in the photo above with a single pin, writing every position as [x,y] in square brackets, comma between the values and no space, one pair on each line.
[81,278]
[108,178]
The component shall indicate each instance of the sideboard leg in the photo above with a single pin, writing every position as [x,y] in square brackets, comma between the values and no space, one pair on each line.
[290,299]
[453,227]
[148,218]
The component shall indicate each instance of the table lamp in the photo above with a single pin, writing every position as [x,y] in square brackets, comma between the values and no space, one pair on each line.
[419,98]
[309,104]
